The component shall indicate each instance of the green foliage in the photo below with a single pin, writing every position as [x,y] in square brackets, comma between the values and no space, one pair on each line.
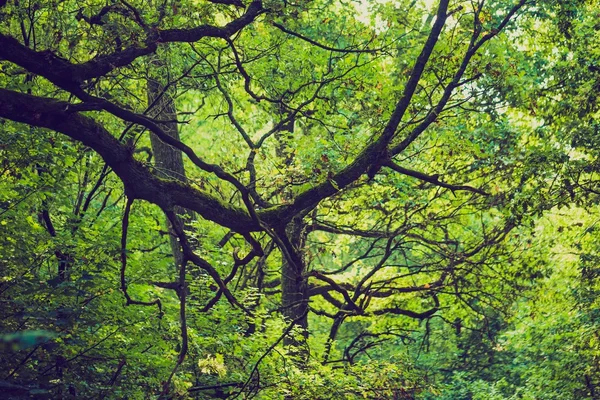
[354,227]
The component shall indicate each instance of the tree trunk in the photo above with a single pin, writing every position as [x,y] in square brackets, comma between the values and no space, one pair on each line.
[168,161]
[294,288]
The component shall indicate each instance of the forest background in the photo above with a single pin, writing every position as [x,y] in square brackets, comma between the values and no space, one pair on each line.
[302,200]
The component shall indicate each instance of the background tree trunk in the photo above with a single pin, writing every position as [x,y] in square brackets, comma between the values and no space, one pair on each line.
[168,160]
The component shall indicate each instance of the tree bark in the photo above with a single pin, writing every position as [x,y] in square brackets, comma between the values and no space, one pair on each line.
[294,287]
[168,161]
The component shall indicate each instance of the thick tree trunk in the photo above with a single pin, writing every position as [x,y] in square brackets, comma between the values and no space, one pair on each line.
[294,288]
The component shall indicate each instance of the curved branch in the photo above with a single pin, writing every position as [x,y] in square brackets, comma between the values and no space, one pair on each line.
[334,286]
[409,313]
[433,179]
[139,181]
[70,76]
[323,46]
[124,229]
[189,254]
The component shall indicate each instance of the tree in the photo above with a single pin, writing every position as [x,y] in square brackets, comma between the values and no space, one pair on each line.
[298,125]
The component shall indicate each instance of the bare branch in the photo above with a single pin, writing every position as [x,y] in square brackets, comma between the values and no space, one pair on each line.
[323,46]
[433,179]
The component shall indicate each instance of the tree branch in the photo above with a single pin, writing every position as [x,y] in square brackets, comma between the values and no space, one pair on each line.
[322,46]
[70,76]
[372,155]
[433,179]
[130,301]
[139,181]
